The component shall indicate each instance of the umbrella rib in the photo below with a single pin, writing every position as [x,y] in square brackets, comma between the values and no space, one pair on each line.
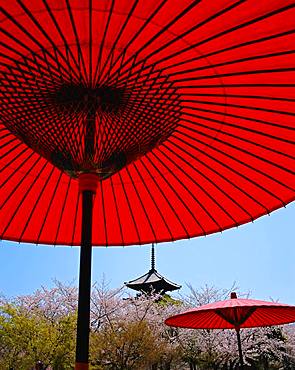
[17,168]
[144,115]
[123,121]
[75,218]
[129,207]
[164,29]
[179,197]
[199,186]
[147,132]
[240,162]
[49,207]
[122,29]
[123,55]
[47,65]
[26,88]
[117,138]
[175,20]
[36,67]
[10,220]
[263,109]
[33,78]
[75,118]
[275,98]
[27,116]
[40,110]
[11,140]
[41,29]
[67,47]
[12,160]
[149,107]
[148,21]
[211,182]
[3,128]
[220,313]
[233,135]
[17,40]
[62,210]
[267,123]
[98,63]
[21,181]
[90,12]
[117,210]
[220,175]
[142,205]
[229,62]
[163,194]
[233,47]
[223,33]
[28,96]
[35,204]
[232,170]
[103,134]
[211,321]
[235,28]
[238,147]
[80,54]
[238,85]
[225,113]
[153,200]
[248,129]
[232,74]
[247,316]
[73,147]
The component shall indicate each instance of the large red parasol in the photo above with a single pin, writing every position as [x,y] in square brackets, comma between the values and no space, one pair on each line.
[178,115]
[234,313]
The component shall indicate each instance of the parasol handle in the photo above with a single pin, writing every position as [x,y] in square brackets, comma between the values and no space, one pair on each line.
[87,187]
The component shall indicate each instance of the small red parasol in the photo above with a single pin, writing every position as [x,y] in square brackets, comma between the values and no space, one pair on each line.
[234,313]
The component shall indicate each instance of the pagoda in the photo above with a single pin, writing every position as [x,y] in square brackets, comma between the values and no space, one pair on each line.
[152,281]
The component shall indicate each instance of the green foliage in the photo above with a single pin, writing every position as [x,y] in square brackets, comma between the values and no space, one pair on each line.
[167,300]
[125,346]
[28,336]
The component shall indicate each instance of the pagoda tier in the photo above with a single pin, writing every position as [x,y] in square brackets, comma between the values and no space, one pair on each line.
[152,281]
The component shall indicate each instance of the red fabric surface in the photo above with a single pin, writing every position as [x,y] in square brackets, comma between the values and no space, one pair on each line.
[226,159]
[224,314]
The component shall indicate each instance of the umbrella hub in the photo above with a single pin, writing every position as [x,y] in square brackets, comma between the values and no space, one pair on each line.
[77,98]
[85,126]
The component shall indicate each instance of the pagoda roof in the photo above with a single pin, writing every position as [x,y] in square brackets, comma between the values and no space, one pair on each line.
[152,281]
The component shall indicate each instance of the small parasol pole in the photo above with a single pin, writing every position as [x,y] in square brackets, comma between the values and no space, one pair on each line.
[240,348]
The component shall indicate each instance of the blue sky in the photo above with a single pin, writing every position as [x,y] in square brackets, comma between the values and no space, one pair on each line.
[259,257]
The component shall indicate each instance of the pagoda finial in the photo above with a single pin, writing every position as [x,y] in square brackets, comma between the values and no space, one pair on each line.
[153,257]
[152,281]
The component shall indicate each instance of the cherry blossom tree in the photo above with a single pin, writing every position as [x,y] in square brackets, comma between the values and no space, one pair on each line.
[128,333]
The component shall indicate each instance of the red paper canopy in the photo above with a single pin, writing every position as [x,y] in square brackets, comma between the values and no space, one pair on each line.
[193,111]
[234,313]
